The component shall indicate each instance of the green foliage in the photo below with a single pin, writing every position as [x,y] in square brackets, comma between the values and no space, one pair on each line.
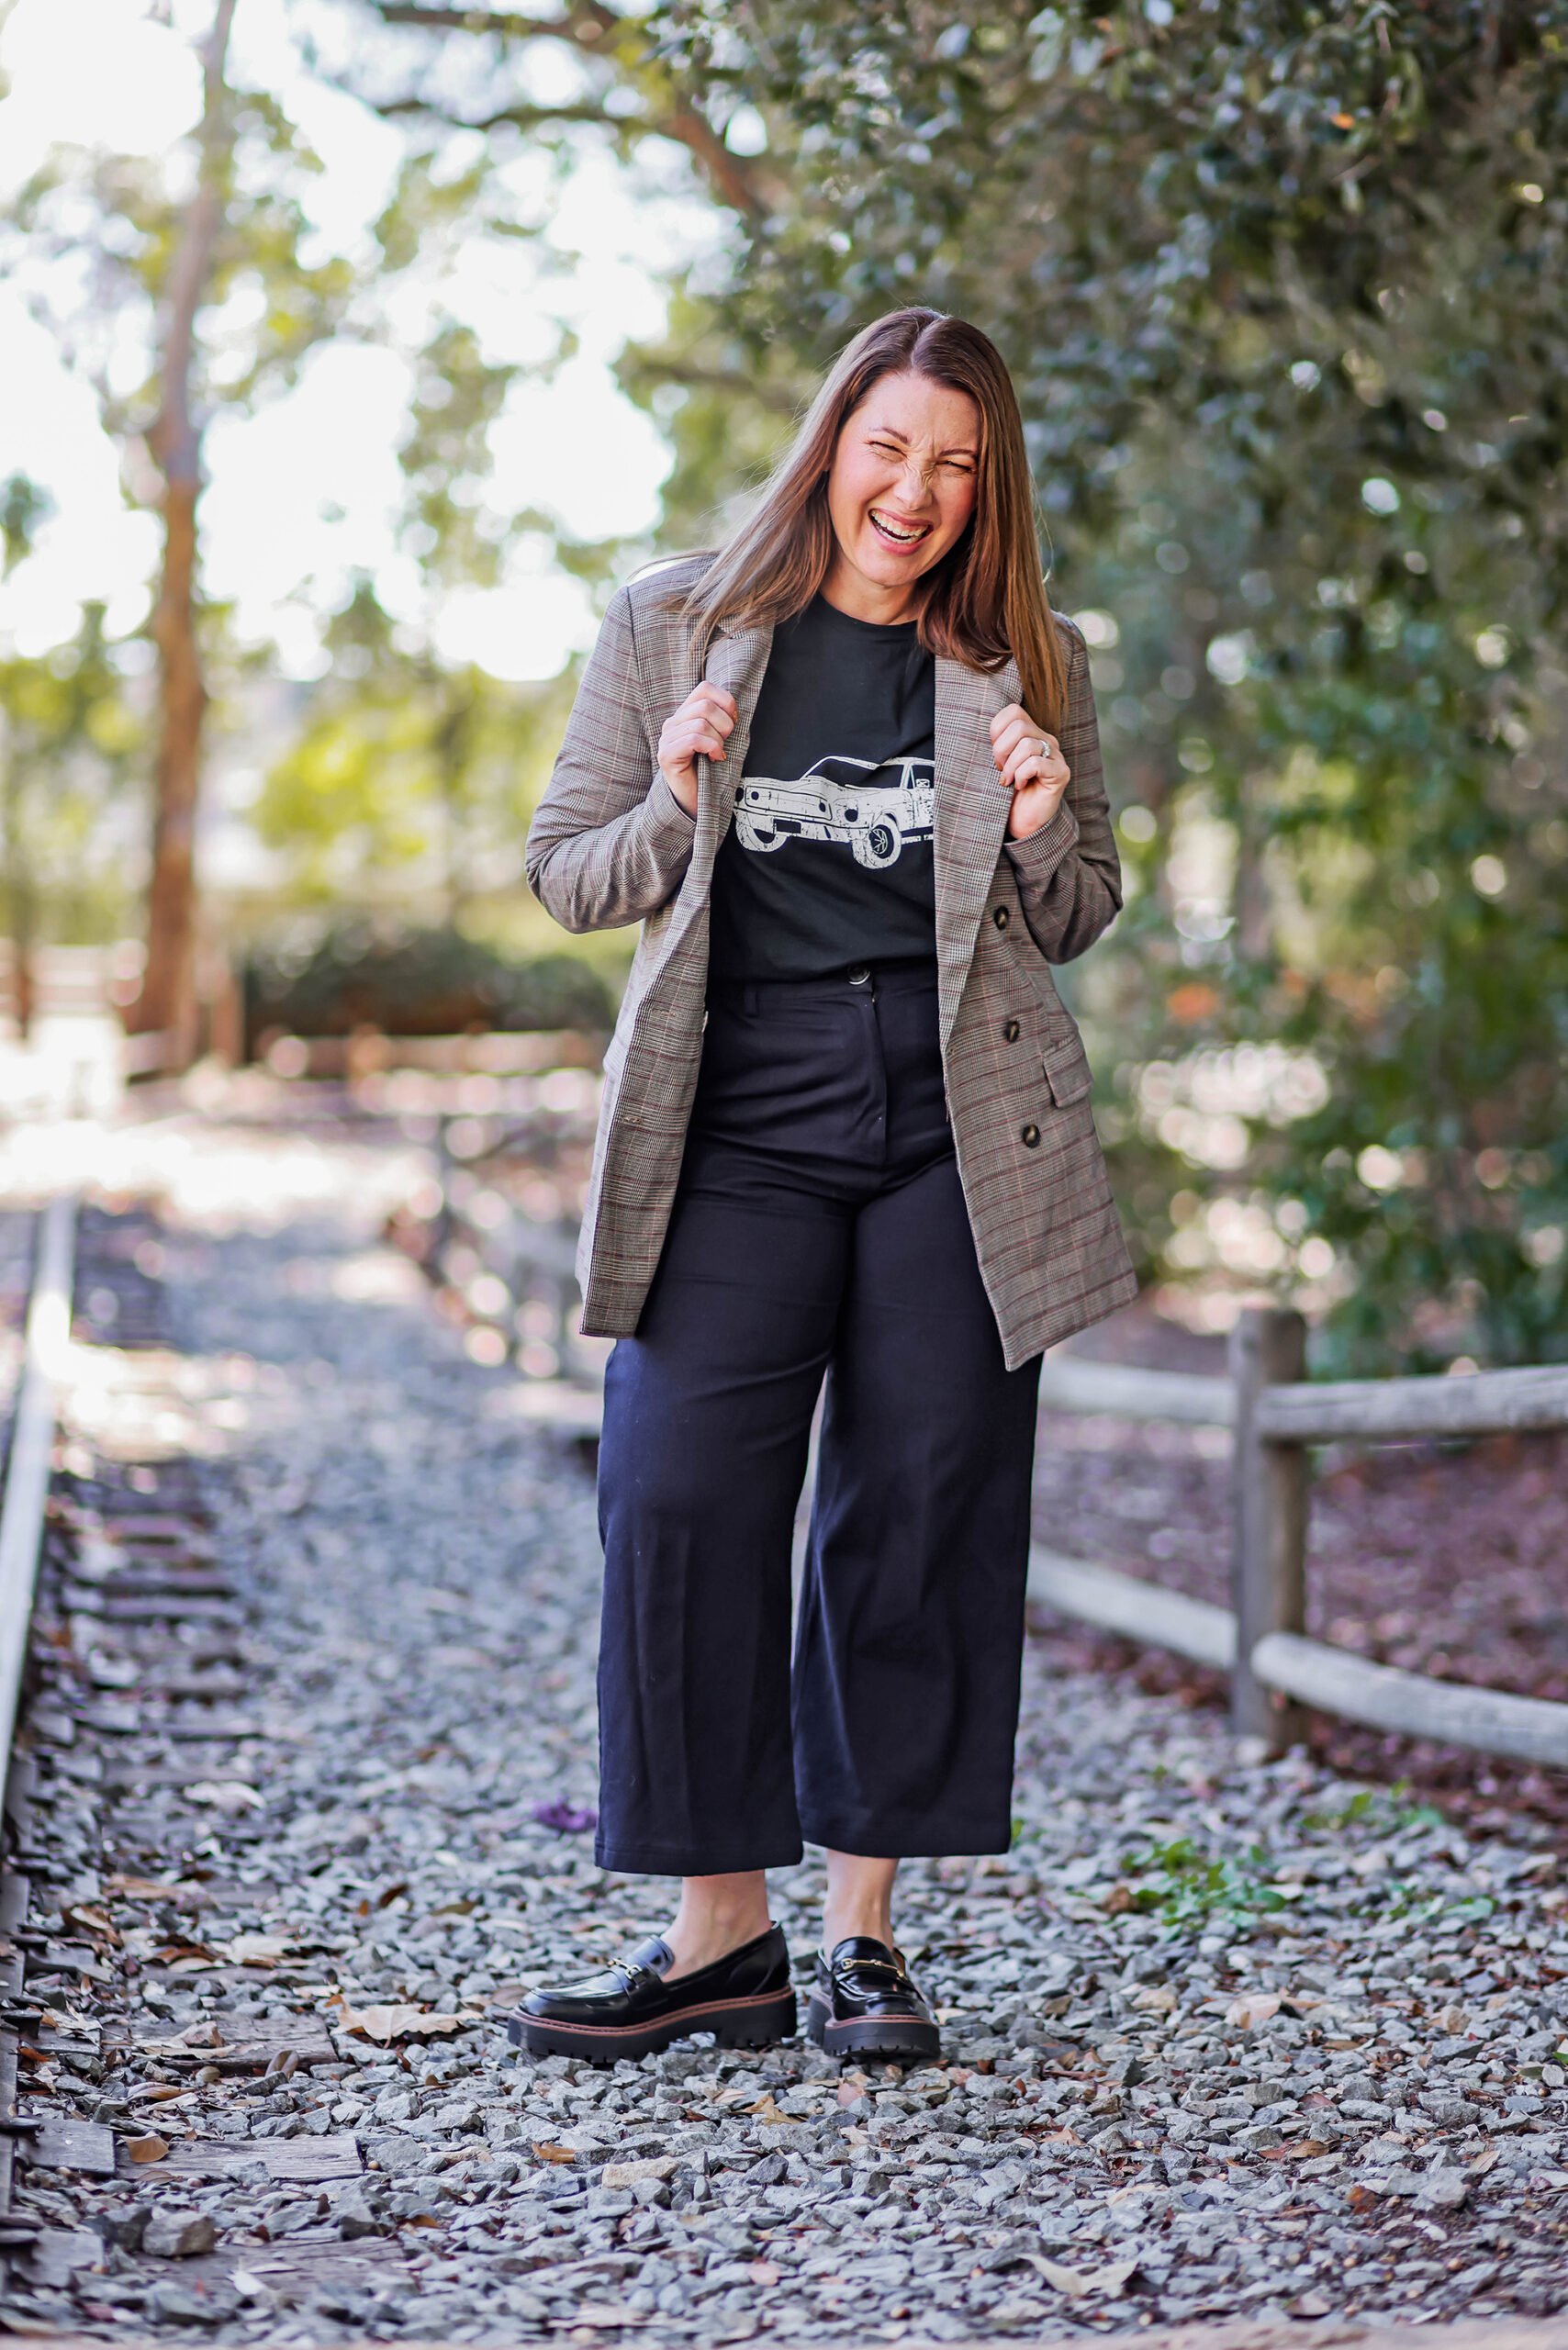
[1185,1887]
[408,779]
[1281,290]
[69,739]
[413,982]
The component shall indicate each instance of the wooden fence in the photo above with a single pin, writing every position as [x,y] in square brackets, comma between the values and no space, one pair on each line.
[1276,1415]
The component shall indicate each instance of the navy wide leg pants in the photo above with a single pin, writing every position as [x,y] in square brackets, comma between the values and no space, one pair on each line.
[819,1228]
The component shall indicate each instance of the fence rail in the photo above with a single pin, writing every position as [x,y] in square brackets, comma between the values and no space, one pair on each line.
[1275,1414]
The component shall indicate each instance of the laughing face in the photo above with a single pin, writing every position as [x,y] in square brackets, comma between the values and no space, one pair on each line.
[900,492]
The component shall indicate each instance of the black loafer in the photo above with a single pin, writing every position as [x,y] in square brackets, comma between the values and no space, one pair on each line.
[866,2005]
[744,1999]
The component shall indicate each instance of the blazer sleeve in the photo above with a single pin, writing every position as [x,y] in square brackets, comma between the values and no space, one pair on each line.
[1069,875]
[610,841]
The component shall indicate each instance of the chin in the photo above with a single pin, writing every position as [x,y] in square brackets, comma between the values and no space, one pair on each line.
[890,570]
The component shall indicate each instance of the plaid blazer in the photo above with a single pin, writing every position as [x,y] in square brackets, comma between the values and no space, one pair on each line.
[610,843]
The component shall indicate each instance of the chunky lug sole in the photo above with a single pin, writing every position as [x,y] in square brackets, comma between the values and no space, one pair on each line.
[735,2023]
[893,2036]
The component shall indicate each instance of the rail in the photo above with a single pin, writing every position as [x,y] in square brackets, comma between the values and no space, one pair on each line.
[1275,1414]
[32,1443]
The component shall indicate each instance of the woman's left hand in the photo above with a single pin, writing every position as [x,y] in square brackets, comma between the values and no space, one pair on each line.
[1030,760]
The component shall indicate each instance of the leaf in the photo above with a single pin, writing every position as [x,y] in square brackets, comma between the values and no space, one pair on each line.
[1253,2007]
[1155,1998]
[224,1794]
[150,2149]
[257,1950]
[548,2152]
[1105,2284]
[389,2020]
[92,1921]
[768,2112]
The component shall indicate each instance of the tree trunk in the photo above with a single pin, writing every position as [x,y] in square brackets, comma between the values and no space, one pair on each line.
[167,999]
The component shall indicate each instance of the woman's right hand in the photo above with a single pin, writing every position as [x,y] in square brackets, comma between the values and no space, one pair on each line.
[697,730]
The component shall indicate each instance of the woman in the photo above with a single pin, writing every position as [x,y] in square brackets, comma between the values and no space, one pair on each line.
[846,774]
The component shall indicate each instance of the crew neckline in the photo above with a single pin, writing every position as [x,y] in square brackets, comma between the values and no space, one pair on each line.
[851,619]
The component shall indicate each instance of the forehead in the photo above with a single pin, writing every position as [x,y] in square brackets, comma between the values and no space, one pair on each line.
[921,412]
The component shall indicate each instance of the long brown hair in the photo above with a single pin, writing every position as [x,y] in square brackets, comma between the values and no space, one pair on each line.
[986,598]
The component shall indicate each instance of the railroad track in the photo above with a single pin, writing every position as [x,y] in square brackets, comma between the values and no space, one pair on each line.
[49,1237]
[119,1674]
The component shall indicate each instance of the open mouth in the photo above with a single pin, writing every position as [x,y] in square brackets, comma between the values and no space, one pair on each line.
[897,535]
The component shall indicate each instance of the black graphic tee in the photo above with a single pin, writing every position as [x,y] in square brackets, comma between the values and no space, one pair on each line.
[828,858]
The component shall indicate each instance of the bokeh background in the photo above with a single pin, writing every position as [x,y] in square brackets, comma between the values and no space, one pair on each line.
[353,351]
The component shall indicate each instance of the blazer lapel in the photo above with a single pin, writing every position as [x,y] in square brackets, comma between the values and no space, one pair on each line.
[736,660]
[972,802]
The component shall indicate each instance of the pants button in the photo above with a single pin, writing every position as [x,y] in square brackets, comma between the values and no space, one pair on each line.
[859,973]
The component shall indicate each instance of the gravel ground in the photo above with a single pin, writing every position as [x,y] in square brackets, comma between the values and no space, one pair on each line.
[1220,2041]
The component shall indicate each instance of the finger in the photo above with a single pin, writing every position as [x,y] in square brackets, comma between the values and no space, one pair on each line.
[1015,735]
[1024,753]
[705,694]
[1028,763]
[1008,713]
[696,732]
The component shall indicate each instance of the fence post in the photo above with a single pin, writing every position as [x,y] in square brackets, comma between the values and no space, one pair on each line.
[1269,1528]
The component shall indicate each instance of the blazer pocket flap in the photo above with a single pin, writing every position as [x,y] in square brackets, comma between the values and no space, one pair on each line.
[1068,1072]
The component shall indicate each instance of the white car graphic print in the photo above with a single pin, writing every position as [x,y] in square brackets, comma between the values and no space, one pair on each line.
[828,804]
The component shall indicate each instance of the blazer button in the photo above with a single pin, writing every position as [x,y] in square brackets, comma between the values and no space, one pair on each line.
[998,916]
[1009,1033]
[1031,1134]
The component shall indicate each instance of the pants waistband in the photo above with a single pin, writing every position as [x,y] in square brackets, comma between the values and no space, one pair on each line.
[907,974]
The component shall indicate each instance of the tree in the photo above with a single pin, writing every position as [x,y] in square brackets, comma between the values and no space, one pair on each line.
[409,781]
[166,1001]
[68,738]
[626,85]
[162,256]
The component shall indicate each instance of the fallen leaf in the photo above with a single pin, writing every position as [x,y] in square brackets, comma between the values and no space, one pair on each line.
[392,2021]
[1296,2150]
[1118,1899]
[150,2149]
[1361,2199]
[257,1950]
[1105,2284]
[590,2313]
[550,2152]
[765,2271]
[223,1795]
[628,2173]
[766,2112]
[1253,2007]
[91,1922]
[1155,1998]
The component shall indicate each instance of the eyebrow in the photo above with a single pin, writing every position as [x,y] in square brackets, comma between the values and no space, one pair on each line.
[958,448]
